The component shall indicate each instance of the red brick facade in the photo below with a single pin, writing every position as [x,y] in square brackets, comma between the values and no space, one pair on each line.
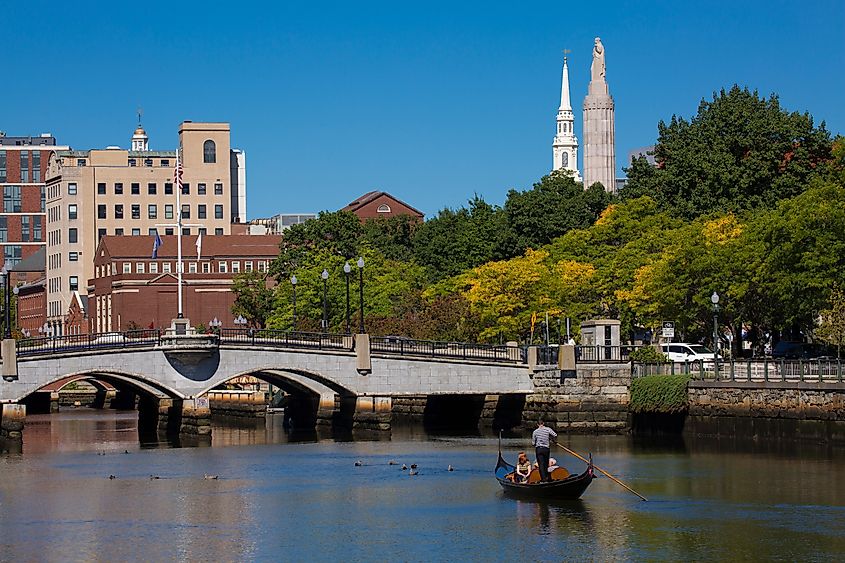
[381,204]
[31,307]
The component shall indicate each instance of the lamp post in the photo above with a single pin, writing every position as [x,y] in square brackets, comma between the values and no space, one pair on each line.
[347,269]
[714,299]
[7,301]
[240,321]
[361,295]
[15,291]
[215,324]
[325,276]
[293,283]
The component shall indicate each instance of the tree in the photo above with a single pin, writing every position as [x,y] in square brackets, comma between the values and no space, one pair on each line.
[253,297]
[392,236]
[739,152]
[832,322]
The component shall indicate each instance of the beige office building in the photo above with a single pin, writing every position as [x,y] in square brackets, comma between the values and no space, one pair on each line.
[115,191]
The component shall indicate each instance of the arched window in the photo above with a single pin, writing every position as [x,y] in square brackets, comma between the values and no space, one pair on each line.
[383,208]
[209,152]
[564,159]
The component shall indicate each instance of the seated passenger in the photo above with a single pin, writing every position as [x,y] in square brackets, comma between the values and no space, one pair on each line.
[523,468]
[552,465]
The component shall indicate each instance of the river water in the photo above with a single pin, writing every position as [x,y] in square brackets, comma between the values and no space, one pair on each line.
[280,500]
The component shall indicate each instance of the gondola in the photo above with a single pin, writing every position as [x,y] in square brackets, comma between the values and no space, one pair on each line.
[562,487]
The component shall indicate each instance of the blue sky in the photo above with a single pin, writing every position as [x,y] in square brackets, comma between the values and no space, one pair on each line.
[431,101]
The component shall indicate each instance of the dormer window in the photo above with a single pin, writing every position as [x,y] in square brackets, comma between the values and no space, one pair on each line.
[383,208]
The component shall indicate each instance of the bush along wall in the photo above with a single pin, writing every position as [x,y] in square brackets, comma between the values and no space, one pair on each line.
[659,394]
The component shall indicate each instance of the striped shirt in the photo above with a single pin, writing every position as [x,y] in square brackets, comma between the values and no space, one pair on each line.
[542,436]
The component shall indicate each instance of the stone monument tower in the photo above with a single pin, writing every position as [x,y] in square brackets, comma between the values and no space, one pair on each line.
[599,128]
[565,145]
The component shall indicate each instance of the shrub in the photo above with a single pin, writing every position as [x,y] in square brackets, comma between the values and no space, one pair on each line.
[661,394]
[648,355]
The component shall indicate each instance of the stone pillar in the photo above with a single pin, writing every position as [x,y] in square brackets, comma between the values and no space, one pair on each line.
[362,351]
[165,412]
[9,353]
[329,405]
[196,418]
[54,401]
[12,418]
[373,413]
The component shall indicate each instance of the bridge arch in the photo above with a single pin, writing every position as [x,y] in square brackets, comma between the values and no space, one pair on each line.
[303,380]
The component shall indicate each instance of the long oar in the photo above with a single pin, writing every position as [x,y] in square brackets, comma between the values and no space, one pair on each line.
[606,474]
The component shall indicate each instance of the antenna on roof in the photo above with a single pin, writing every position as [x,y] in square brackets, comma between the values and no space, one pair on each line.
[140,113]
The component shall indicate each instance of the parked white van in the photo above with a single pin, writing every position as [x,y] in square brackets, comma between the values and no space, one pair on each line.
[682,352]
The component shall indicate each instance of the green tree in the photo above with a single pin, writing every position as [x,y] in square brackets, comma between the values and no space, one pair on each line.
[832,322]
[739,152]
[392,236]
[253,297]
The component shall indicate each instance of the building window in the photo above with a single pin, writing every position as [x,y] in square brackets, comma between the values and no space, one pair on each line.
[24,166]
[43,200]
[127,268]
[247,266]
[132,162]
[118,232]
[201,214]
[168,211]
[168,230]
[262,265]
[383,208]
[139,267]
[151,189]
[25,228]
[192,267]
[186,231]
[80,162]
[71,211]
[4,229]
[101,188]
[236,267]
[186,211]
[73,283]
[148,162]
[118,211]
[37,222]
[165,268]
[218,189]
[152,211]
[218,211]
[186,188]
[73,256]
[168,189]
[36,166]
[206,268]
[152,231]
[136,211]
[200,189]
[12,199]
[165,162]
[135,188]
[2,166]
[202,231]
[101,211]
[209,152]
[118,188]
[12,254]
[153,267]
[136,232]
[72,235]
[71,189]
[100,234]
[218,231]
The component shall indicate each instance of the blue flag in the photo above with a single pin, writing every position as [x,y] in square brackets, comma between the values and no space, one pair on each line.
[156,244]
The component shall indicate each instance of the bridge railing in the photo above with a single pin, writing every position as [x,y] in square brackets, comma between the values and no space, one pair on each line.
[762,370]
[283,339]
[82,342]
[604,354]
[455,350]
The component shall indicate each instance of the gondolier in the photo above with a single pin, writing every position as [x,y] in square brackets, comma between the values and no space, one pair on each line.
[541,438]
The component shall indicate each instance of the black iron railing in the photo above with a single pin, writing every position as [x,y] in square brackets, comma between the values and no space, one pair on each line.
[604,354]
[283,339]
[455,350]
[83,342]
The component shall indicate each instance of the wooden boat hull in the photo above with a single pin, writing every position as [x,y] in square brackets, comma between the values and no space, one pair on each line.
[570,488]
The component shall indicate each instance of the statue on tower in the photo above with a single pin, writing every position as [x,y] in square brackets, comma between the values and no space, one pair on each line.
[597,69]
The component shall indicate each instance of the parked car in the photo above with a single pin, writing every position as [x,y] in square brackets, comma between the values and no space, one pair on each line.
[788,350]
[683,352]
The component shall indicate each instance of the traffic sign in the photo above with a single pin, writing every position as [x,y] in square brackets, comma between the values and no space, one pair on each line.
[668,329]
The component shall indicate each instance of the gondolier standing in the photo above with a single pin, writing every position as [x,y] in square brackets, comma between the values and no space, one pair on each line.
[541,440]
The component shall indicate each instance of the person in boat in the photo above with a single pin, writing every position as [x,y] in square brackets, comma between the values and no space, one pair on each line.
[541,438]
[523,468]
[552,465]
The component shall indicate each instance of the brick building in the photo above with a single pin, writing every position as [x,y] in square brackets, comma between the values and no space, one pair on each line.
[381,204]
[23,168]
[130,289]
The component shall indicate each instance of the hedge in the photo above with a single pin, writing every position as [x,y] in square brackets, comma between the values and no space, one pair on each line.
[661,394]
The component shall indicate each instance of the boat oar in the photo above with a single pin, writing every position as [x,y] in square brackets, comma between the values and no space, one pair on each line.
[605,473]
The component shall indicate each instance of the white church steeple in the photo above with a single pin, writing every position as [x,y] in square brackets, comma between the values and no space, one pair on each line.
[565,145]
[139,138]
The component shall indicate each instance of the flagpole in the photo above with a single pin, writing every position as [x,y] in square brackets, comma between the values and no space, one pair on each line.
[179,234]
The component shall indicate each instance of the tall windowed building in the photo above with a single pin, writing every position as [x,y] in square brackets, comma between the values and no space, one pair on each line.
[23,166]
[114,191]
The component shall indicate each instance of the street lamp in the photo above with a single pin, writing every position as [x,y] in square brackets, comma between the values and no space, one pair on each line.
[361,295]
[293,283]
[714,299]
[7,301]
[240,321]
[215,324]
[17,290]
[325,276]
[347,269]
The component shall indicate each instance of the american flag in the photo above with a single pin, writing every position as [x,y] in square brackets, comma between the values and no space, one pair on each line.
[177,173]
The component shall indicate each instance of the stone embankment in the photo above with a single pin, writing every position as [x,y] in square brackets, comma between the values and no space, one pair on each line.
[241,404]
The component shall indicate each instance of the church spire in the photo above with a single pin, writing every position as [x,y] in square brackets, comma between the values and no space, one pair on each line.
[565,145]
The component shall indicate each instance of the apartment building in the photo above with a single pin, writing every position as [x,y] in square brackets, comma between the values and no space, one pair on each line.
[114,191]
[23,167]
